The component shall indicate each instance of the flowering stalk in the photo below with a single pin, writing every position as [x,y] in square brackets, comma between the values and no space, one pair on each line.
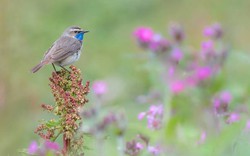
[70,96]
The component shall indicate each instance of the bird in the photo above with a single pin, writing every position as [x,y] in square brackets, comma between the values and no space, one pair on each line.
[65,50]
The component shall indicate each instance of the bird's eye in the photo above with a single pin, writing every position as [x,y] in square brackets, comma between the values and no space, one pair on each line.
[75,31]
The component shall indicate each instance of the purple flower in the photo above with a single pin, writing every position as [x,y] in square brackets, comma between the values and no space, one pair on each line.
[171,71]
[133,148]
[233,117]
[154,122]
[139,145]
[144,34]
[33,148]
[51,145]
[177,86]
[141,115]
[176,55]
[225,97]
[207,49]
[203,73]
[214,31]
[159,44]
[208,31]
[248,125]
[155,110]
[176,31]
[155,150]
[203,137]
[154,116]
[99,87]
[207,46]
[221,102]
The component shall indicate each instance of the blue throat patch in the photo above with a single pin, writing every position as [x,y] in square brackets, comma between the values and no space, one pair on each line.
[79,36]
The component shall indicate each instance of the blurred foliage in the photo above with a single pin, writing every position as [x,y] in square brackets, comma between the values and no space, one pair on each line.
[28,28]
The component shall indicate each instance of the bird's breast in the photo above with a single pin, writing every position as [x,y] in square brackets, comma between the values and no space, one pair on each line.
[71,59]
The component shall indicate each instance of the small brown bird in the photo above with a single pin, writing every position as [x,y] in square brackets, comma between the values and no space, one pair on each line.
[64,51]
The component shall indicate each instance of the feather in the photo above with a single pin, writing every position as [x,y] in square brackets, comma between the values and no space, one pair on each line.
[63,47]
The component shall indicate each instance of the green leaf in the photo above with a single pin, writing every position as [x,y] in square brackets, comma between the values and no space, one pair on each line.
[53,123]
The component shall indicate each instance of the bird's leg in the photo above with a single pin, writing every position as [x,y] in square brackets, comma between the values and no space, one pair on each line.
[54,67]
[65,69]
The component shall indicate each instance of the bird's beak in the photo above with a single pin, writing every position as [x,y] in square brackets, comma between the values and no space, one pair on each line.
[85,31]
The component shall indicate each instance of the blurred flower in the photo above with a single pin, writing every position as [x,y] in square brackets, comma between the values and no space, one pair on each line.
[233,117]
[153,122]
[45,148]
[144,36]
[100,87]
[225,97]
[143,138]
[176,55]
[159,44]
[154,150]
[33,148]
[133,148]
[214,31]
[154,116]
[100,123]
[203,137]
[171,71]
[155,110]
[247,128]
[141,115]
[139,146]
[207,49]
[176,31]
[221,102]
[51,145]
[177,86]
[203,73]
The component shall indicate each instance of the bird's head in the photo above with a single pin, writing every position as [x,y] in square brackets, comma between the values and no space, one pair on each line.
[75,32]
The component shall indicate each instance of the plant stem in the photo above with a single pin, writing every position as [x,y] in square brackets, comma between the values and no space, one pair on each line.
[66,145]
[57,136]
[120,145]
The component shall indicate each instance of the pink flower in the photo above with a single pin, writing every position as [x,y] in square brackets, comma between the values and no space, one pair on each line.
[159,44]
[171,71]
[139,146]
[176,55]
[154,122]
[141,115]
[99,87]
[208,31]
[203,137]
[154,116]
[51,145]
[213,31]
[177,86]
[207,46]
[155,150]
[248,125]
[203,73]
[221,102]
[33,148]
[225,97]
[144,34]
[176,31]
[233,117]
[155,110]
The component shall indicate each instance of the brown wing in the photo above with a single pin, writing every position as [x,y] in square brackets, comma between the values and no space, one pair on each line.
[62,48]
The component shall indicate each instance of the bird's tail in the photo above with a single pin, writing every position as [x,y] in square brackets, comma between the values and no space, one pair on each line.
[37,67]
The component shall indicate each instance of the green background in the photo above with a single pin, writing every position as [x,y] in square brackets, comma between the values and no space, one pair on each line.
[28,28]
